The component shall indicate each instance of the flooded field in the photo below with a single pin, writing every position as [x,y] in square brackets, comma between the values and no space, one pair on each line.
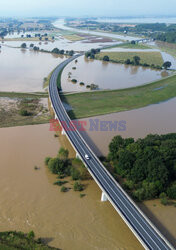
[156,119]
[61,41]
[107,75]
[24,70]
[30,201]
[61,25]
[28,198]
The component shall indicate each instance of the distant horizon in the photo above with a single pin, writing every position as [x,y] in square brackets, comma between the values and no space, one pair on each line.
[91,8]
[91,16]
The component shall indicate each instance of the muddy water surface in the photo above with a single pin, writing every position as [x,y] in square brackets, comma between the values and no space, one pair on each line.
[30,201]
[156,119]
[106,75]
[24,70]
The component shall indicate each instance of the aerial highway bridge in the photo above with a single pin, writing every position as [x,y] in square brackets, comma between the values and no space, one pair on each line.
[148,235]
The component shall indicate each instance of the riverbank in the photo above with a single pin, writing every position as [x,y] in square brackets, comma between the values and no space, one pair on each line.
[12,240]
[104,102]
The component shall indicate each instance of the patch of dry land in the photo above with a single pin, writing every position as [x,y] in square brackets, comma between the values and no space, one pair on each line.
[23,111]
[146,57]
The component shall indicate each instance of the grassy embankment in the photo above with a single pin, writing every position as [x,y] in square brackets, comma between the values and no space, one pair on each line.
[120,57]
[13,240]
[104,102]
[24,95]
[131,46]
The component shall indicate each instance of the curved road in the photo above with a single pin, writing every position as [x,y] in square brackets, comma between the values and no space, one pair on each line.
[143,229]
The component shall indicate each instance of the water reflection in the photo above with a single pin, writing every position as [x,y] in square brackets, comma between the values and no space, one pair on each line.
[107,75]
[24,70]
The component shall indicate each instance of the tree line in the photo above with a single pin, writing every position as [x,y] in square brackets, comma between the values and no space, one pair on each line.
[147,165]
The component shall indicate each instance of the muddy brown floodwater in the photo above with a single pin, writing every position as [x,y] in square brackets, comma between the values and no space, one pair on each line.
[106,75]
[153,119]
[19,69]
[30,201]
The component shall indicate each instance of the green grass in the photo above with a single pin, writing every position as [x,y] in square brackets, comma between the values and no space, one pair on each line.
[73,37]
[24,95]
[132,46]
[13,240]
[120,57]
[104,102]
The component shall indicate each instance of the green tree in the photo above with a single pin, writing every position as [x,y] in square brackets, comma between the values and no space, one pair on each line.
[106,58]
[23,45]
[128,61]
[136,60]
[55,51]
[56,165]
[171,191]
[167,65]
[71,53]
[116,144]
[63,153]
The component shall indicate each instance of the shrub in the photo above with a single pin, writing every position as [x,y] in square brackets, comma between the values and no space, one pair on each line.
[82,195]
[31,235]
[73,68]
[75,174]
[81,84]
[106,58]
[64,189]
[88,86]
[74,81]
[78,186]
[23,45]
[164,201]
[47,159]
[60,183]
[24,112]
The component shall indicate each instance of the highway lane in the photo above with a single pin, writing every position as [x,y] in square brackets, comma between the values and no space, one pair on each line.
[142,228]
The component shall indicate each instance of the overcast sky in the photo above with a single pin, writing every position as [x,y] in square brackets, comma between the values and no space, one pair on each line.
[86,7]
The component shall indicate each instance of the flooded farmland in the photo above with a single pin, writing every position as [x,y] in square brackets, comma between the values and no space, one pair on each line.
[107,75]
[30,201]
[24,70]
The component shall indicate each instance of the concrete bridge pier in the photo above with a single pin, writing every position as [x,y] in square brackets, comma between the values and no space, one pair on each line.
[63,132]
[77,155]
[104,197]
